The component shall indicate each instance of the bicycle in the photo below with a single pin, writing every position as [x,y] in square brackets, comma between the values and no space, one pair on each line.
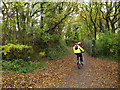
[79,65]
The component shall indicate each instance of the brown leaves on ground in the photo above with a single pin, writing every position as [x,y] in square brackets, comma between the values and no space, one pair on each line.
[96,73]
[56,70]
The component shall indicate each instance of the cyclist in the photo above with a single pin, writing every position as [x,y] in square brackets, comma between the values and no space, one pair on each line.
[80,44]
[78,51]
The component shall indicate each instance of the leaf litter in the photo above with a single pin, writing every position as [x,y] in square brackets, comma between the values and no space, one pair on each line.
[96,73]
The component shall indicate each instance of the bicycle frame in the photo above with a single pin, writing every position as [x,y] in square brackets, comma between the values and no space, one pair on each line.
[78,61]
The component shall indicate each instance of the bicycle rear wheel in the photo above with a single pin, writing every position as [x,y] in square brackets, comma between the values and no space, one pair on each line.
[78,65]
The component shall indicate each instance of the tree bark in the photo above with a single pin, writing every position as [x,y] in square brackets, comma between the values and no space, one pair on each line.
[94,22]
[41,23]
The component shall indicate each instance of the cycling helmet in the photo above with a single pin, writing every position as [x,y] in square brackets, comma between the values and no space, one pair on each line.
[79,43]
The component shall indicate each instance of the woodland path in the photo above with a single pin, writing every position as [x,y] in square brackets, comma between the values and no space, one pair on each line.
[96,73]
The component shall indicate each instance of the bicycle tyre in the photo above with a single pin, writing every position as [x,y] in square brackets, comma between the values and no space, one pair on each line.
[78,65]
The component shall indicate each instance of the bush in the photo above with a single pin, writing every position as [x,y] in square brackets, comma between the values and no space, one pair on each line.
[58,51]
[22,66]
[107,45]
[87,45]
[12,52]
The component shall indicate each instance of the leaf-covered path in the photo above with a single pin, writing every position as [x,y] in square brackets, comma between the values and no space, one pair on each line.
[96,73]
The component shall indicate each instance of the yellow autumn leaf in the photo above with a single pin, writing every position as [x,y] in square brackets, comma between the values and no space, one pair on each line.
[5,53]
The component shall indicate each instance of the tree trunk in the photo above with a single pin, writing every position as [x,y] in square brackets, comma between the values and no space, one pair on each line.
[119,20]
[41,23]
[94,22]
[108,26]
[113,27]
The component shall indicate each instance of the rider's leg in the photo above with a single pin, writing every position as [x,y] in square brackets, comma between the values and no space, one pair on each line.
[81,58]
[77,57]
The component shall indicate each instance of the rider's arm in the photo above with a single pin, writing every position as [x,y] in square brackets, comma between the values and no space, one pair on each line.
[81,49]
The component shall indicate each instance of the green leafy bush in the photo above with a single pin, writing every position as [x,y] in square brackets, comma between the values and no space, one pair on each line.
[58,51]
[107,45]
[12,52]
[22,66]
[87,45]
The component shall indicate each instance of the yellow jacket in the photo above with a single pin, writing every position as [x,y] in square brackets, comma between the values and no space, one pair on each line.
[78,50]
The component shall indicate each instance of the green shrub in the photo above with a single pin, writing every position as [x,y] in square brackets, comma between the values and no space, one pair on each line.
[22,66]
[87,45]
[58,51]
[107,45]
[12,52]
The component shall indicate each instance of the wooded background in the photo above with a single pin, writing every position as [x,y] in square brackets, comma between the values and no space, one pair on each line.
[45,25]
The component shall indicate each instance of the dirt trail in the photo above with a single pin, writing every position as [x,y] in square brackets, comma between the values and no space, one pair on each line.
[96,73]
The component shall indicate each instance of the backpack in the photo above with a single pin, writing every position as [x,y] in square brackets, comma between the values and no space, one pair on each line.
[76,47]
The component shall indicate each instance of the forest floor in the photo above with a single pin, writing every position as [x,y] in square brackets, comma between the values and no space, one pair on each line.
[96,73]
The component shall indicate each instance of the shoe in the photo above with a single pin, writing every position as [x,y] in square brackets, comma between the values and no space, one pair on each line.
[82,63]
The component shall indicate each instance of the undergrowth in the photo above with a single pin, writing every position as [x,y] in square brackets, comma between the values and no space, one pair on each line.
[22,66]
[108,57]
[59,51]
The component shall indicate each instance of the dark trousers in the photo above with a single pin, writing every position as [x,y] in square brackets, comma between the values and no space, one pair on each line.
[79,55]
